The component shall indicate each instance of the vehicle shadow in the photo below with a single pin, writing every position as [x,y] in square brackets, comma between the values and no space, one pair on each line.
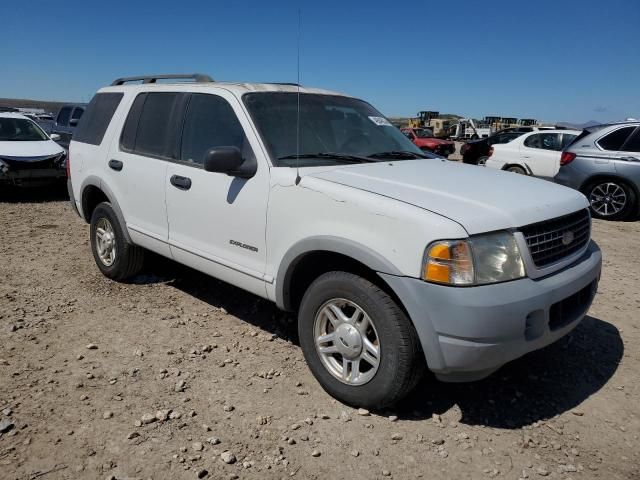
[538,386]
[54,192]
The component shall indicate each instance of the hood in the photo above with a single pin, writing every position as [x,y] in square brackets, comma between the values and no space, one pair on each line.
[26,150]
[479,199]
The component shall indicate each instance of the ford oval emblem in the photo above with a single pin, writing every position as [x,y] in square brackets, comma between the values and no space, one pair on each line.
[567,238]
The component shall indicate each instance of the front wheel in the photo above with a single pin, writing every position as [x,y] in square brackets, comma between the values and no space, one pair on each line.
[611,200]
[358,343]
[482,161]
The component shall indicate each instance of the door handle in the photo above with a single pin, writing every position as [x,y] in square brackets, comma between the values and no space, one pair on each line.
[115,165]
[183,183]
[629,159]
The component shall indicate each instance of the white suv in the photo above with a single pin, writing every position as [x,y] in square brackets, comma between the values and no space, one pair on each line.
[312,199]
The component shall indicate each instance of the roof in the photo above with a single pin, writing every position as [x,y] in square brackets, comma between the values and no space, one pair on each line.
[238,88]
[13,115]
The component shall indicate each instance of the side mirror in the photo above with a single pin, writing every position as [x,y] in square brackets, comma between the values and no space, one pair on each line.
[55,137]
[73,122]
[229,160]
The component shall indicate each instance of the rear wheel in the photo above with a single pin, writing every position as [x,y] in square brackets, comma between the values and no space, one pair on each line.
[515,169]
[114,256]
[611,200]
[358,343]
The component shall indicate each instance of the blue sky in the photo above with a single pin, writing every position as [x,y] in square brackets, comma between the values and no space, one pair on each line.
[552,60]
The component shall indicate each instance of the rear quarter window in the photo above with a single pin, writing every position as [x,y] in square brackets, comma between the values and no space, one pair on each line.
[615,139]
[97,117]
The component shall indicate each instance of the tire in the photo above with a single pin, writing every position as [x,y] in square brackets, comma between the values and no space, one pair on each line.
[516,169]
[115,257]
[482,161]
[399,356]
[611,199]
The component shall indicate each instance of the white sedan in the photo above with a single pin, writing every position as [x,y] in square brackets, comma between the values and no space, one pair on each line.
[535,153]
[28,156]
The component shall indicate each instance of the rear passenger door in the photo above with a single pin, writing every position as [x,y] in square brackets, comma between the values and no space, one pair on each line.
[216,221]
[137,165]
[541,153]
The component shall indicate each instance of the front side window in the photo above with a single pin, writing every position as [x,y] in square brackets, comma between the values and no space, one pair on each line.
[323,124]
[63,117]
[615,139]
[210,122]
[20,130]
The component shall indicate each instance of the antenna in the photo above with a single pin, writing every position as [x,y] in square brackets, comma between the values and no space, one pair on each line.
[298,108]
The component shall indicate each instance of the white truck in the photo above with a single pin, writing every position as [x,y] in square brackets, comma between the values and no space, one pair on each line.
[393,261]
[466,129]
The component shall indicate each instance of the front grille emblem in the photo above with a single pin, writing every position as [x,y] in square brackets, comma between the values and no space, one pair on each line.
[567,238]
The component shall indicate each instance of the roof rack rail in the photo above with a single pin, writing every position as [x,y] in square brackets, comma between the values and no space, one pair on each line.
[196,77]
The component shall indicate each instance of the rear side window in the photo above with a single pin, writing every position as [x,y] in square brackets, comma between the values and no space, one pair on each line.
[567,139]
[615,139]
[545,141]
[210,122]
[97,118]
[63,116]
[633,144]
[149,129]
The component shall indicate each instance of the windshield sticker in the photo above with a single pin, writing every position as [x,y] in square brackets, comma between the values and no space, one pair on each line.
[381,121]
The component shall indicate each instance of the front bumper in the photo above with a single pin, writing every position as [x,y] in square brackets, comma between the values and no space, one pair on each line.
[469,332]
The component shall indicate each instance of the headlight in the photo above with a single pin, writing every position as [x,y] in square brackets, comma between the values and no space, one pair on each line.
[478,260]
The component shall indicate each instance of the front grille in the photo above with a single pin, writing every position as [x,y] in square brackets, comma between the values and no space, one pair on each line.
[33,163]
[550,241]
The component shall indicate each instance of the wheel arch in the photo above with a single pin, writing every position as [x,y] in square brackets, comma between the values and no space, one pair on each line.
[93,192]
[309,258]
[600,177]
[524,166]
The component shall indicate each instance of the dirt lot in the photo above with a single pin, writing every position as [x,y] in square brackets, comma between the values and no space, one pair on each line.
[84,360]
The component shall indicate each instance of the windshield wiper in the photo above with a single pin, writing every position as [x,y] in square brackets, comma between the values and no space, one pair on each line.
[342,157]
[398,154]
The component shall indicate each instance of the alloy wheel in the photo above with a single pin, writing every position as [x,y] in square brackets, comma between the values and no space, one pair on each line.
[346,341]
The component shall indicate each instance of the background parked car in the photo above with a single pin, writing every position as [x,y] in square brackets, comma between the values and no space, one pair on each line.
[604,164]
[424,139]
[28,156]
[536,153]
[476,152]
[66,123]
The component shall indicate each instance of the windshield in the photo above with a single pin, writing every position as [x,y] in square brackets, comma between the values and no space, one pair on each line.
[423,132]
[329,124]
[20,130]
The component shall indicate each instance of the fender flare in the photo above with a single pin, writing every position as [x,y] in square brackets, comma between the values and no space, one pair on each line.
[325,243]
[95,181]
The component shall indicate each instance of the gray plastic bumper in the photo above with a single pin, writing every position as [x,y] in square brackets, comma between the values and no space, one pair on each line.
[467,333]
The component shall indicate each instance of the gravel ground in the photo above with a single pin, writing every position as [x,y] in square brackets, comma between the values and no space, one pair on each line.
[177,375]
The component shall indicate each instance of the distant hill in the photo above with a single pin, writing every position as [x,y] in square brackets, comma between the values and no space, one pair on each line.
[580,126]
[46,105]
